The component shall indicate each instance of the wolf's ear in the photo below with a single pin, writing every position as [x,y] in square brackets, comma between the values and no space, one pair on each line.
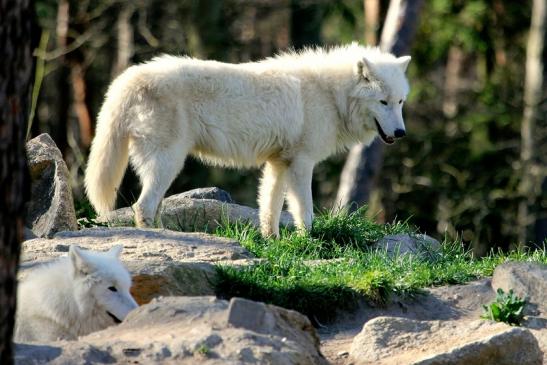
[364,68]
[80,264]
[403,62]
[116,251]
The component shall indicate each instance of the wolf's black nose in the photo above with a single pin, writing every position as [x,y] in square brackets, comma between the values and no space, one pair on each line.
[400,133]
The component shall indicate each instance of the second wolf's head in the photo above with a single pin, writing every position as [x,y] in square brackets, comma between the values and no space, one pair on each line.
[101,284]
[379,94]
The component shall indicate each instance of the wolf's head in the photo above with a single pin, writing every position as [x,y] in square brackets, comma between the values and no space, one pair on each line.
[379,94]
[101,284]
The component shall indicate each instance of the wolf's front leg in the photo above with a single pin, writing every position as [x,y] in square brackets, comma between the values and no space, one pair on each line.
[299,192]
[271,196]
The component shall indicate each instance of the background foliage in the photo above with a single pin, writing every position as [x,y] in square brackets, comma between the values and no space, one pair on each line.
[457,171]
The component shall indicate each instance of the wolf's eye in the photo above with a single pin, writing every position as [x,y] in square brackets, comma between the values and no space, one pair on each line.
[383,102]
[401,101]
[112,288]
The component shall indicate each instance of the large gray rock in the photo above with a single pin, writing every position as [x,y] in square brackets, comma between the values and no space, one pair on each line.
[51,208]
[180,213]
[191,330]
[207,193]
[392,340]
[528,280]
[161,262]
[402,244]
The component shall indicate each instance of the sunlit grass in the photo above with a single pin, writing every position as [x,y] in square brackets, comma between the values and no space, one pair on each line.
[291,276]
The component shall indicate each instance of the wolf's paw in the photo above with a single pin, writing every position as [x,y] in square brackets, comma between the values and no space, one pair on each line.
[268,231]
[140,220]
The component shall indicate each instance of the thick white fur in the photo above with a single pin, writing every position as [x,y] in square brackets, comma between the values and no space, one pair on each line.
[288,112]
[70,297]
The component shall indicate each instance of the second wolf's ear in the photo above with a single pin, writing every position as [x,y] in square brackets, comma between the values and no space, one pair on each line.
[116,251]
[81,266]
[403,62]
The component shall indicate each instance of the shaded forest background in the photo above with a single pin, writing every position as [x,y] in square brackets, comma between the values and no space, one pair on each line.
[459,171]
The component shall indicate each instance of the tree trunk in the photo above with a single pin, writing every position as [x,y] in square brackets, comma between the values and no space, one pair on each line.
[372,14]
[364,163]
[454,67]
[124,34]
[532,173]
[17,35]
[61,94]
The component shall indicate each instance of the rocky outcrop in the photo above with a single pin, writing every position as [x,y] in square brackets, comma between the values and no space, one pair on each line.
[51,208]
[181,213]
[391,340]
[191,330]
[161,262]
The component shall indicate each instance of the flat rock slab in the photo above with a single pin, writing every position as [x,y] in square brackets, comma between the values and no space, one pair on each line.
[181,213]
[161,262]
[191,330]
[392,340]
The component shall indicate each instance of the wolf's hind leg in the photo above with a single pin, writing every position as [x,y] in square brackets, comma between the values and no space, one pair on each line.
[156,168]
[299,194]
[271,196]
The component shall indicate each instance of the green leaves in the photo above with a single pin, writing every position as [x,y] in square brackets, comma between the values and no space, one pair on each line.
[507,308]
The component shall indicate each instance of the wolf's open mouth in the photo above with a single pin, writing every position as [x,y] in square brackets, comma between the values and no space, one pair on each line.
[385,138]
[113,317]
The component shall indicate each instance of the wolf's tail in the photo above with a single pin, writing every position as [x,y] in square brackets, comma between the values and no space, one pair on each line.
[109,151]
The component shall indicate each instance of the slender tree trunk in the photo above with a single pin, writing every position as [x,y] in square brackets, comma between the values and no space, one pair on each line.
[364,163]
[452,81]
[124,33]
[372,14]
[531,174]
[17,36]
[79,89]
[59,124]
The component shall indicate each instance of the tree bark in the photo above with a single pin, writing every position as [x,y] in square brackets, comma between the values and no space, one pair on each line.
[363,165]
[532,173]
[17,35]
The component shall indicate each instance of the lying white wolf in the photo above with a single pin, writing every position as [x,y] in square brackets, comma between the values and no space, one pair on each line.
[76,295]
[287,112]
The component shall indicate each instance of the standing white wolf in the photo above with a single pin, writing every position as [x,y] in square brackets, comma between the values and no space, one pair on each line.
[76,295]
[288,113]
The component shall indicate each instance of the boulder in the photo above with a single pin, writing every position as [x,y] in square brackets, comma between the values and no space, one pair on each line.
[161,262]
[392,340]
[191,330]
[528,280]
[401,244]
[51,208]
[180,213]
[207,193]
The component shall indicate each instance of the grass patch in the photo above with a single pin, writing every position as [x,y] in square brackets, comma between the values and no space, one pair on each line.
[333,265]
